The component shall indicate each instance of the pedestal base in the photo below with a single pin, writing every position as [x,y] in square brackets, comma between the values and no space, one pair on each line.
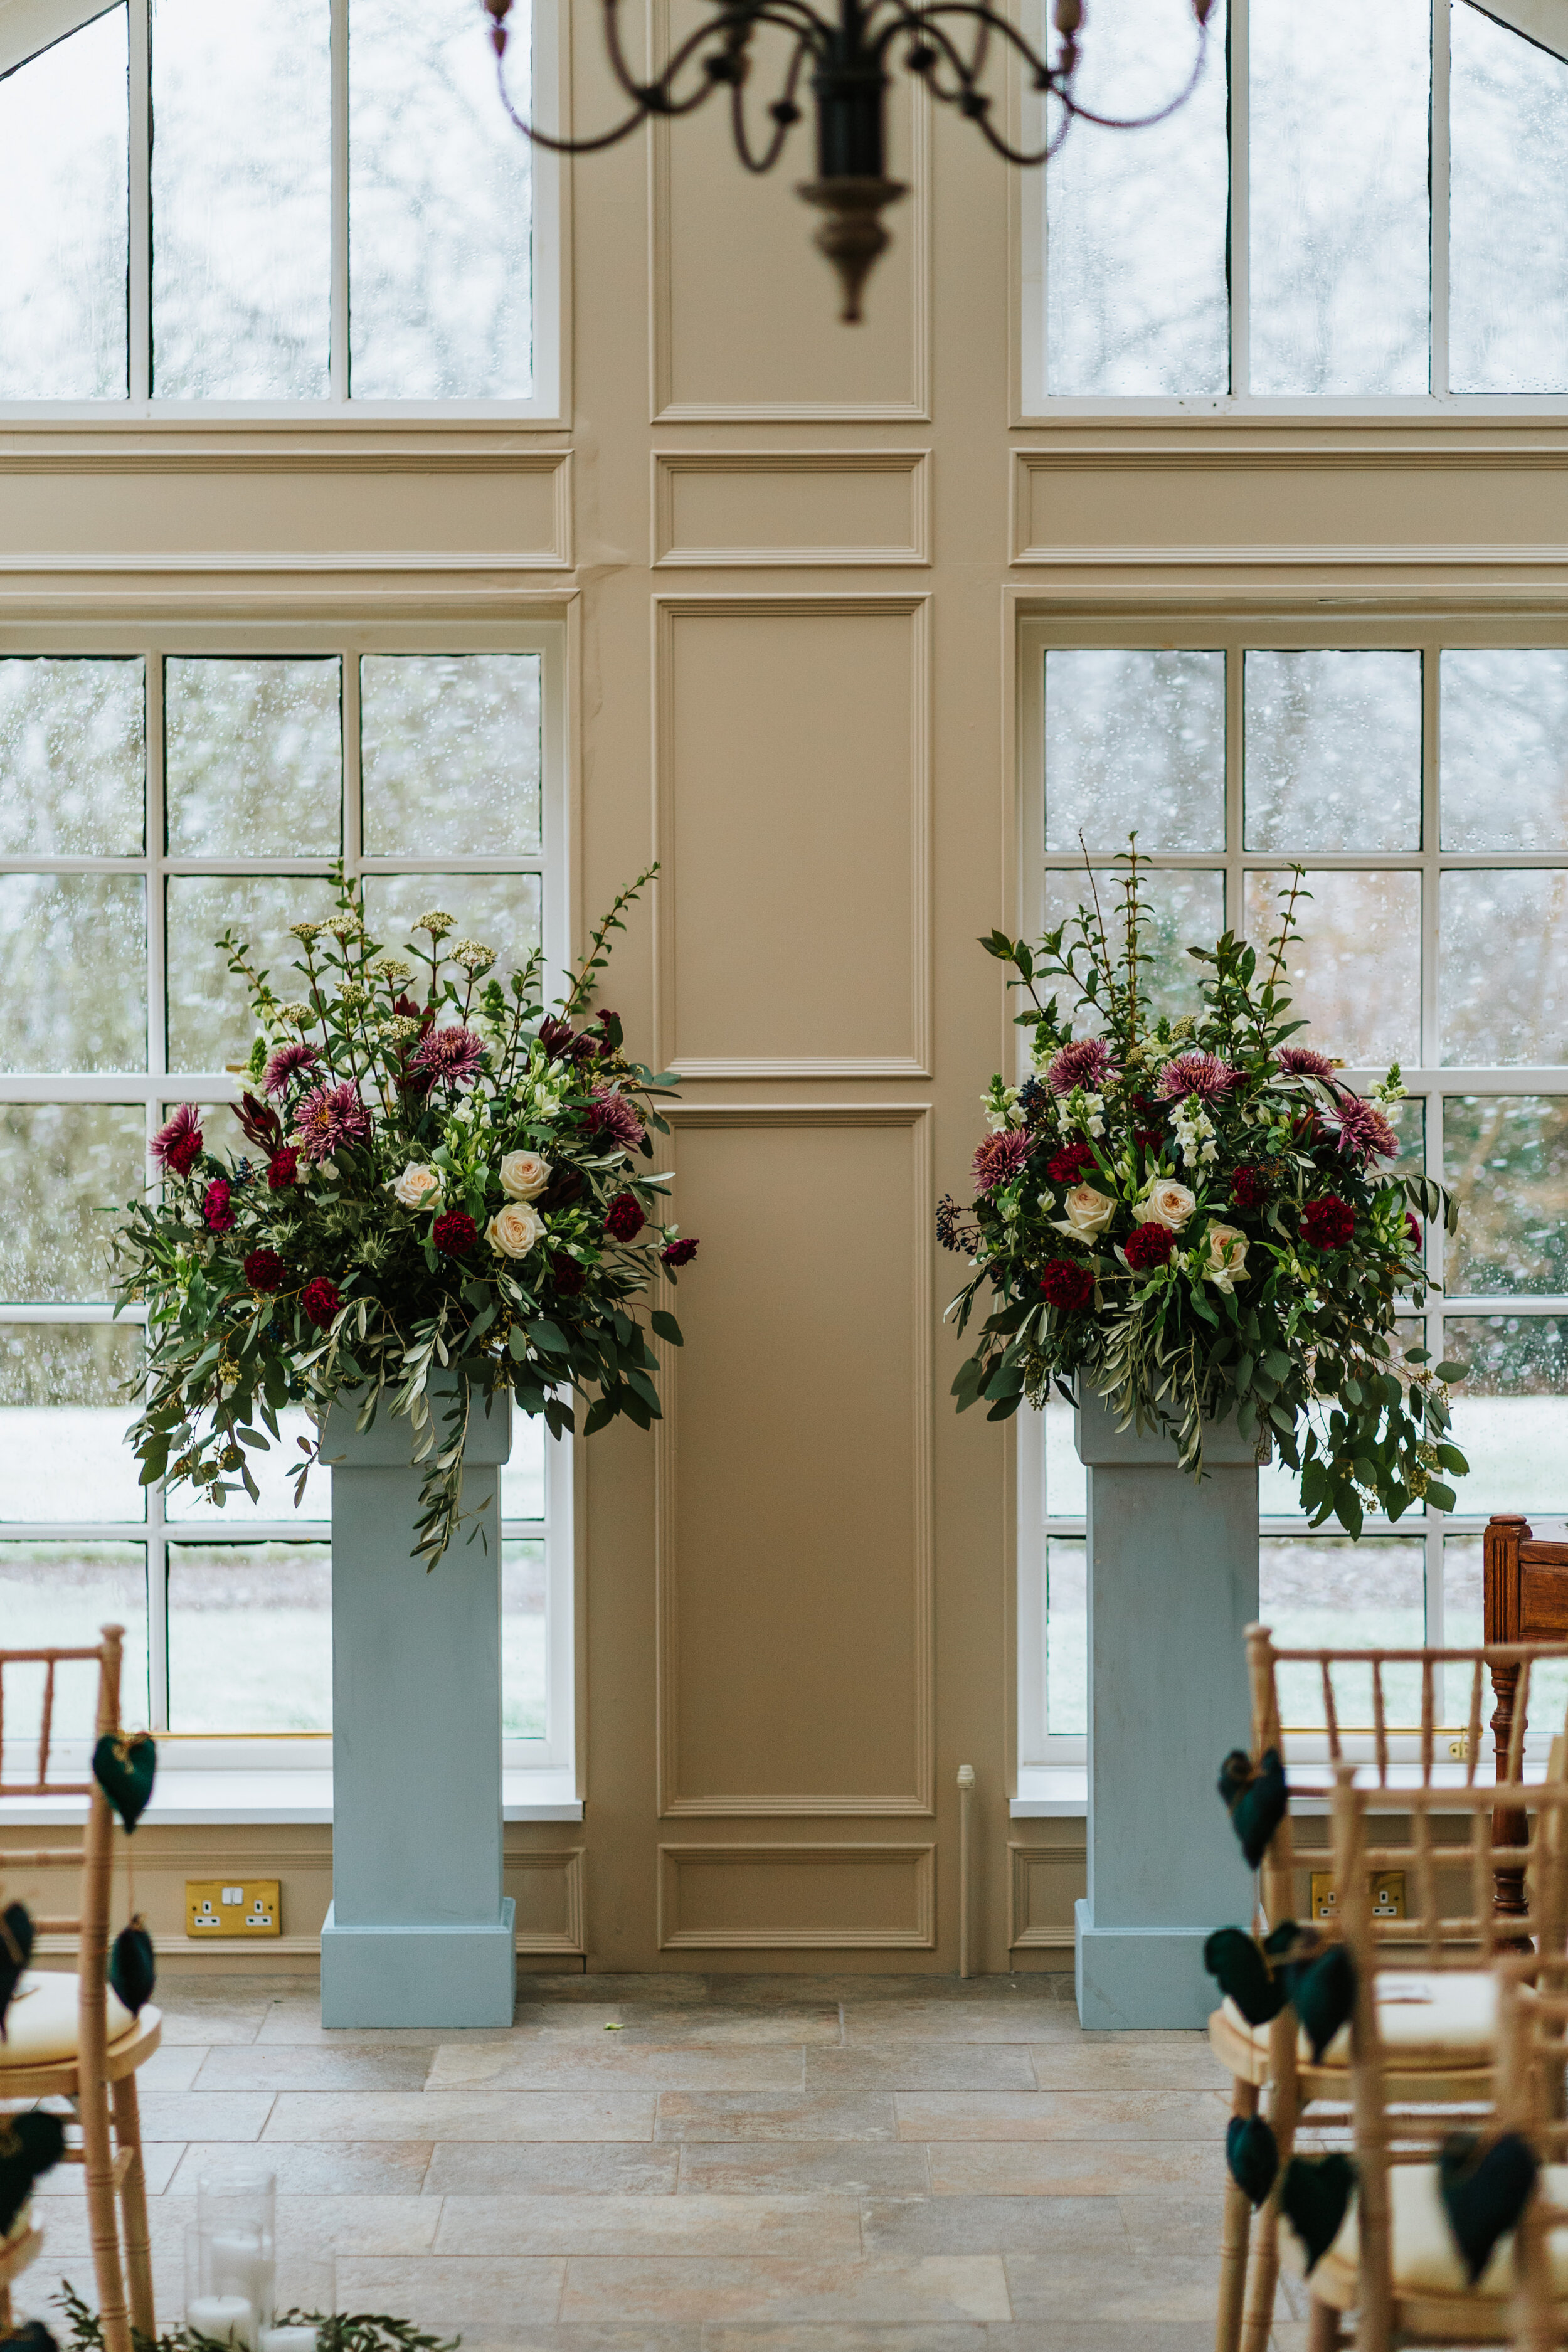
[434,1976]
[1139,1976]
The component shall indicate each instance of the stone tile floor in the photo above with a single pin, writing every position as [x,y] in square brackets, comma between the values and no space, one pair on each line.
[744,2164]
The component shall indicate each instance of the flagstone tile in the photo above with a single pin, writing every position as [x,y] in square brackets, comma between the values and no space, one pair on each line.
[274,2067]
[1103,2335]
[1090,2066]
[187,2020]
[846,2335]
[205,2115]
[593,2067]
[67,2184]
[1072,2168]
[781,2114]
[991,2225]
[718,2025]
[551,2168]
[922,2066]
[381,2168]
[613,2335]
[1060,2115]
[461,2115]
[1023,2020]
[391,2226]
[1080,2282]
[848,2167]
[173,2068]
[890,2290]
[484,2299]
[801,2226]
[1183,2223]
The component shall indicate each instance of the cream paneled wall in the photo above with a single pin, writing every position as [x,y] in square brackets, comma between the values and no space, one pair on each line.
[794,556]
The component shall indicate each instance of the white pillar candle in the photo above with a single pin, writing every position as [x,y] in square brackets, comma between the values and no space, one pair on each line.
[227,2318]
[242,2265]
[288,2339]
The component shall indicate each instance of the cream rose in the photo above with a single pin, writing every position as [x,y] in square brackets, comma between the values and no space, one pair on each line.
[513,1231]
[525,1175]
[1227,1257]
[1088,1211]
[1166,1202]
[418,1187]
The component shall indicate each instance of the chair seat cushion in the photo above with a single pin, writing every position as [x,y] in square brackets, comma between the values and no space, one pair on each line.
[1429,2021]
[1425,2259]
[41,2022]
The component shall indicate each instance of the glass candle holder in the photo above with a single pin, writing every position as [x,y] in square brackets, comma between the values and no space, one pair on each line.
[237,2229]
[215,2309]
[304,2303]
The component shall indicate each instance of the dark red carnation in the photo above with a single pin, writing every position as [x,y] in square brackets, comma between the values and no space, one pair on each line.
[624,1219]
[1148,1139]
[283,1169]
[1068,1285]
[265,1270]
[217,1210]
[1328,1223]
[1248,1188]
[1149,1245]
[569,1277]
[1068,1165]
[679,1253]
[320,1300]
[454,1232]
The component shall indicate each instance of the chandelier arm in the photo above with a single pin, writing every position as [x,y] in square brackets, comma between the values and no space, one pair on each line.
[914,23]
[1141,122]
[566,146]
[782,124]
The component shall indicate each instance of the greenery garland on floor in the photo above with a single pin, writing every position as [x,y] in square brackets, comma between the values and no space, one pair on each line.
[357,2331]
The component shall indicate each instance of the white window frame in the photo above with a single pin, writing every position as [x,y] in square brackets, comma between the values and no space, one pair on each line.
[1542,22]
[1428,633]
[29,27]
[555,1755]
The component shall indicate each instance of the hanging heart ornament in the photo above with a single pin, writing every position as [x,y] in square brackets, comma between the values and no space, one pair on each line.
[1485,2187]
[124,1764]
[16,1951]
[1315,2199]
[132,1970]
[1255,1797]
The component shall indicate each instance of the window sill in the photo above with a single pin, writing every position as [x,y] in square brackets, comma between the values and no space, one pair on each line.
[186,1798]
[1050,1792]
[1060,1791]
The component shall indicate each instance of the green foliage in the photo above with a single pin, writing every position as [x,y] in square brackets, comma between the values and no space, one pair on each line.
[490,1220]
[342,2332]
[1190,1218]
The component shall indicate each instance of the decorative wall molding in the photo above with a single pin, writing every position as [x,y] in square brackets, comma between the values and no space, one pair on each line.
[428,588]
[676,1862]
[357,445]
[668,613]
[1202,580]
[1028,1928]
[570,1864]
[797,466]
[750,1804]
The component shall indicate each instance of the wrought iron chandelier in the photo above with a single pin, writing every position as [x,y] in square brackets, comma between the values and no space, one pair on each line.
[950,45]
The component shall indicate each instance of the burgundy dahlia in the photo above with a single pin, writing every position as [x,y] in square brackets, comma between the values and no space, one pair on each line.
[320,1300]
[1248,1188]
[1066,1285]
[283,1169]
[624,1219]
[1148,1245]
[454,1232]
[286,1061]
[1300,1062]
[1365,1131]
[1085,1063]
[178,1141]
[1328,1223]
[1203,1075]
[1071,1163]
[450,1056]
[612,1119]
[679,1253]
[330,1118]
[266,1270]
[999,1159]
[1412,1234]
[218,1210]
[569,1277]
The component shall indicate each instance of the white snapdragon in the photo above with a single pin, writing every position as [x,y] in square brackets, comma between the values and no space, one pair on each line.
[1086,1111]
[1196,1135]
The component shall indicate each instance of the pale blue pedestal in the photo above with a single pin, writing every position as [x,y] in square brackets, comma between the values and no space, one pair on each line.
[418,1933]
[1173,1582]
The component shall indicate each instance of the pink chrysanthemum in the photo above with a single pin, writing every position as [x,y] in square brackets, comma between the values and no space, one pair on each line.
[999,1159]
[288,1062]
[450,1056]
[179,1140]
[613,1120]
[1300,1062]
[1365,1131]
[1204,1075]
[329,1117]
[1085,1063]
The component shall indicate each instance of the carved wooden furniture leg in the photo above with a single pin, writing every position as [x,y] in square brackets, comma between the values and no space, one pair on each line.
[1323,2328]
[1236,2229]
[133,2205]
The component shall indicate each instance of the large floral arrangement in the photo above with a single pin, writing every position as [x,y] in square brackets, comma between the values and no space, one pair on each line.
[1195,1217]
[444,1179]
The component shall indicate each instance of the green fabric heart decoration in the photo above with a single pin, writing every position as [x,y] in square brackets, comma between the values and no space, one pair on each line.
[124,1764]
[132,1970]
[1485,2187]
[1322,1989]
[34,2337]
[1315,2199]
[1255,1796]
[1252,2154]
[16,1951]
[30,2144]
[1238,1964]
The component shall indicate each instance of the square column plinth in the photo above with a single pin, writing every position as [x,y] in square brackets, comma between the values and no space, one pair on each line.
[1172,1583]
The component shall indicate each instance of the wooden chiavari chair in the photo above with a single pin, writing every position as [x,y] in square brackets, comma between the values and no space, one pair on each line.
[1395,2262]
[1444,2046]
[68,2036]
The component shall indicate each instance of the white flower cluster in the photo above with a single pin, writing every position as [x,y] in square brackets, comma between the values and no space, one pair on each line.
[1086,1111]
[1195,1135]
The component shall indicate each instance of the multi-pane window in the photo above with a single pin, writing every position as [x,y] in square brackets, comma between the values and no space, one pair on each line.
[1364,207]
[319,200]
[1420,776]
[154,794]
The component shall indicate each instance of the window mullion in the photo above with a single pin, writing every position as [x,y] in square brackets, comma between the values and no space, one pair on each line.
[1440,198]
[139,292]
[353,801]
[337,345]
[1241,208]
[1234,785]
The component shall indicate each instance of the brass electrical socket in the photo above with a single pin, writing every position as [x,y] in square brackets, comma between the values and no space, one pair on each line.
[1387,1894]
[232,1907]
